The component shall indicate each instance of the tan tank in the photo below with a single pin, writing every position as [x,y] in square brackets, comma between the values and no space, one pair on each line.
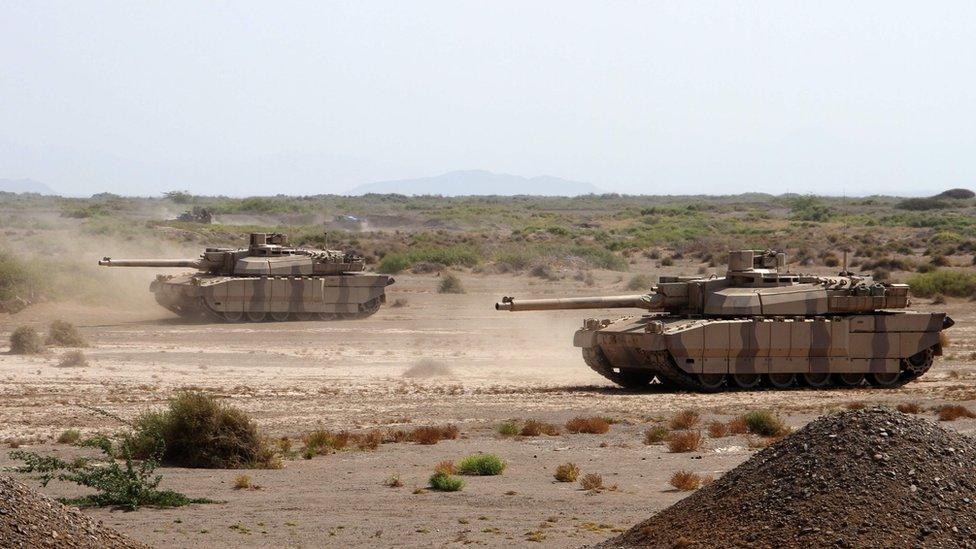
[267,280]
[757,325]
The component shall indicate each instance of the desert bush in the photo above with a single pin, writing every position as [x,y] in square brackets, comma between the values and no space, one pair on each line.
[909,408]
[765,423]
[393,481]
[592,425]
[684,441]
[810,208]
[64,334]
[69,436]
[481,464]
[446,482]
[426,367]
[323,441]
[921,204]
[640,282]
[685,419]
[667,262]
[445,467]
[567,472]
[856,405]
[25,341]
[73,359]
[450,284]
[952,412]
[945,282]
[370,440]
[655,435]
[116,477]
[544,271]
[534,428]
[685,480]
[197,430]
[508,428]
[592,482]
[717,429]
[433,434]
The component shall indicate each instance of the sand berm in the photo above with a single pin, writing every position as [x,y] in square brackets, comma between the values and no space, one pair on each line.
[866,478]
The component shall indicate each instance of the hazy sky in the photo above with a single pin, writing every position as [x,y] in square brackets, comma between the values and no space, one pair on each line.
[650,97]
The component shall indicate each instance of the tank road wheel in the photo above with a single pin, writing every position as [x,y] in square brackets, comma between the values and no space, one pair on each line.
[746,381]
[817,380]
[255,316]
[327,316]
[280,317]
[711,383]
[634,379]
[233,316]
[886,380]
[303,316]
[917,364]
[849,379]
[781,380]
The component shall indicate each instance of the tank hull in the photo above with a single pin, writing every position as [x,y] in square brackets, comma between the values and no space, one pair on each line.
[886,349]
[235,299]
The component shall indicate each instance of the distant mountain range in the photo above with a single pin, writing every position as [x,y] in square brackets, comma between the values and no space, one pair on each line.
[478,182]
[24,186]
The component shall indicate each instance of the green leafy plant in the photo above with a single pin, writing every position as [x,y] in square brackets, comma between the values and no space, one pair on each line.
[444,482]
[481,464]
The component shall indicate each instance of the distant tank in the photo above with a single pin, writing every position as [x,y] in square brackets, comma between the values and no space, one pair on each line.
[267,280]
[757,325]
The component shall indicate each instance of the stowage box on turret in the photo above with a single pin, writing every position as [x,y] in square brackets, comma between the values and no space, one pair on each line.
[759,324]
[267,280]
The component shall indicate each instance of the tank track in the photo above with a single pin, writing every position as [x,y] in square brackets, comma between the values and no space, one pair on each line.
[661,365]
[368,309]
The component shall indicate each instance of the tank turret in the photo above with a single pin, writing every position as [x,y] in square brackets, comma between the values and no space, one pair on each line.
[757,324]
[268,278]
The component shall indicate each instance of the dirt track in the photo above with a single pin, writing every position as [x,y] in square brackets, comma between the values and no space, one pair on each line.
[349,375]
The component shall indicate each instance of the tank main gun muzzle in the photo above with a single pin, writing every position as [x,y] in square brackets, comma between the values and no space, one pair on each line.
[642,301]
[176,263]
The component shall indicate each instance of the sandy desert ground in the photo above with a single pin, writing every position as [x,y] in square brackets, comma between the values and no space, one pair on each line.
[295,376]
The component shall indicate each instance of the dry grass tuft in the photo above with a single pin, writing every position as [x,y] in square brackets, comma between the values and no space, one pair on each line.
[323,441]
[592,425]
[737,426]
[534,428]
[396,435]
[450,284]
[445,467]
[567,472]
[765,423]
[508,428]
[685,481]
[242,482]
[856,405]
[655,435]
[370,440]
[69,436]
[684,441]
[393,481]
[433,434]
[25,341]
[952,412]
[909,408]
[717,429]
[64,334]
[592,482]
[685,419]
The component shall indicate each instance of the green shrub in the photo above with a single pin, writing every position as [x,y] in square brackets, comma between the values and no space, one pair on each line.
[393,264]
[14,275]
[70,436]
[481,464]
[64,334]
[945,282]
[450,284]
[655,435]
[921,204]
[509,428]
[451,256]
[25,341]
[810,208]
[443,482]
[764,423]
[199,431]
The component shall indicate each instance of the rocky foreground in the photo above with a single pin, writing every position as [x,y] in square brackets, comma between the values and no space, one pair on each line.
[868,478]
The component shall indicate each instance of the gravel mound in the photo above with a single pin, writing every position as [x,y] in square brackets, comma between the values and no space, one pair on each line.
[867,478]
[29,519]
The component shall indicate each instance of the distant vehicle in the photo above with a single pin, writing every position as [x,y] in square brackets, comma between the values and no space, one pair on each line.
[267,280]
[197,215]
[759,324]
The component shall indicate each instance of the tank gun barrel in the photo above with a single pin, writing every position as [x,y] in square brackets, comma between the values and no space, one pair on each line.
[640,301]
[192,263]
